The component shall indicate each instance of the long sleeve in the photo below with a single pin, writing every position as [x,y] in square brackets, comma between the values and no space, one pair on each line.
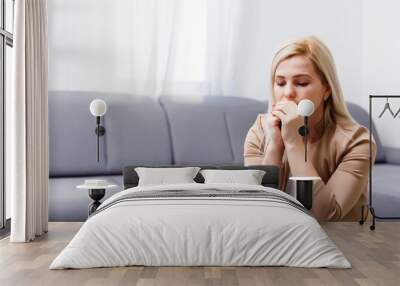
[255,148]
[255,143]
[335,199]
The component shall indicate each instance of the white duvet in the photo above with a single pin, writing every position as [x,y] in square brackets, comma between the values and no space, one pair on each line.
[200,231]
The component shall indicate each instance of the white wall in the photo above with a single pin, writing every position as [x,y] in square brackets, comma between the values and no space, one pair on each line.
[269,23]
[381,63]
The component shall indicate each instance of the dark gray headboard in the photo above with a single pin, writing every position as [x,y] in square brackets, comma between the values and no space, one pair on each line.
[270,179]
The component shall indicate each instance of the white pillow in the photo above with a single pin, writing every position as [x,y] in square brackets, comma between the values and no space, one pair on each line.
[162,176]
[249,177]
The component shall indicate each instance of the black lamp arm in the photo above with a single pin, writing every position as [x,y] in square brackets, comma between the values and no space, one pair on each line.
[100,131]
[303,131]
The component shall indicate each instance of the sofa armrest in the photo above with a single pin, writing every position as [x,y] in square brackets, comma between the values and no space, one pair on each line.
[392,155]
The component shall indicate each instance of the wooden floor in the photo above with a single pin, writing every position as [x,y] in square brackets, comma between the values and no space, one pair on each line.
[374,255]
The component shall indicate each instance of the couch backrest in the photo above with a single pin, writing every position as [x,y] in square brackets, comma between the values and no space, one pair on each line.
[145,131]
[142,130]
[362,117]
[210,130]
[136,133]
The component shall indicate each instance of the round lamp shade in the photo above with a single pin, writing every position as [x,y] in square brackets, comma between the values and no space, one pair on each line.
[305,107]
[98,107]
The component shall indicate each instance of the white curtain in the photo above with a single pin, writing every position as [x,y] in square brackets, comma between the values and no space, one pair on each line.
[26,119]
[145,47]
[185,47]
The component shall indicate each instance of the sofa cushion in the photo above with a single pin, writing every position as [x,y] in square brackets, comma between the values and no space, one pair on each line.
[239,119]
[209,130]
[136,133]
[385,190]
[392,155]
[362,117]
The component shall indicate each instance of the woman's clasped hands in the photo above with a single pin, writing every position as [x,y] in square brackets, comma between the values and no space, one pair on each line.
[282,124]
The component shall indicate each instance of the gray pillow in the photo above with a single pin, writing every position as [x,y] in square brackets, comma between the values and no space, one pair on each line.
[162,176]
[248,177]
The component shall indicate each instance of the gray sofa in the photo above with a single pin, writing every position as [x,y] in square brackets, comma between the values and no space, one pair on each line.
[169,131]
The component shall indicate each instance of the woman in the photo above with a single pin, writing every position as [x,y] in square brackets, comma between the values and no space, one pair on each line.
[338,147]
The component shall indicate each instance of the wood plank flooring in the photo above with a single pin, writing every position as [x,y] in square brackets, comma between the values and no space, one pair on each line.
[374,255]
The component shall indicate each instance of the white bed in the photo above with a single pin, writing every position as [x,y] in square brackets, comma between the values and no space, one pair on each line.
[184,230]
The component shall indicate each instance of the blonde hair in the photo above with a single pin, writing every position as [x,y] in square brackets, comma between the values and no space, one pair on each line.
[311,47]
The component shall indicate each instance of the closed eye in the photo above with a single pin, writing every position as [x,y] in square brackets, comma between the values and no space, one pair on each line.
[302,83]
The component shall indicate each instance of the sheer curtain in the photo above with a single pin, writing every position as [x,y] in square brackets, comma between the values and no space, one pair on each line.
[26,118]
[145,47]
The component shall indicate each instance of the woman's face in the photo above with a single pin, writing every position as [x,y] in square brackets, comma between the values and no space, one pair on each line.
[296,79]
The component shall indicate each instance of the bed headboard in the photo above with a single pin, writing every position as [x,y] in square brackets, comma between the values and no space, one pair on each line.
[270,179]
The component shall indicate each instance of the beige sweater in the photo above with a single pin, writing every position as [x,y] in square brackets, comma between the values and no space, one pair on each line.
[341,158]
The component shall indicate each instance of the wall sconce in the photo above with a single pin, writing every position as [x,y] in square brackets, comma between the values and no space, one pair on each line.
[98,107]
